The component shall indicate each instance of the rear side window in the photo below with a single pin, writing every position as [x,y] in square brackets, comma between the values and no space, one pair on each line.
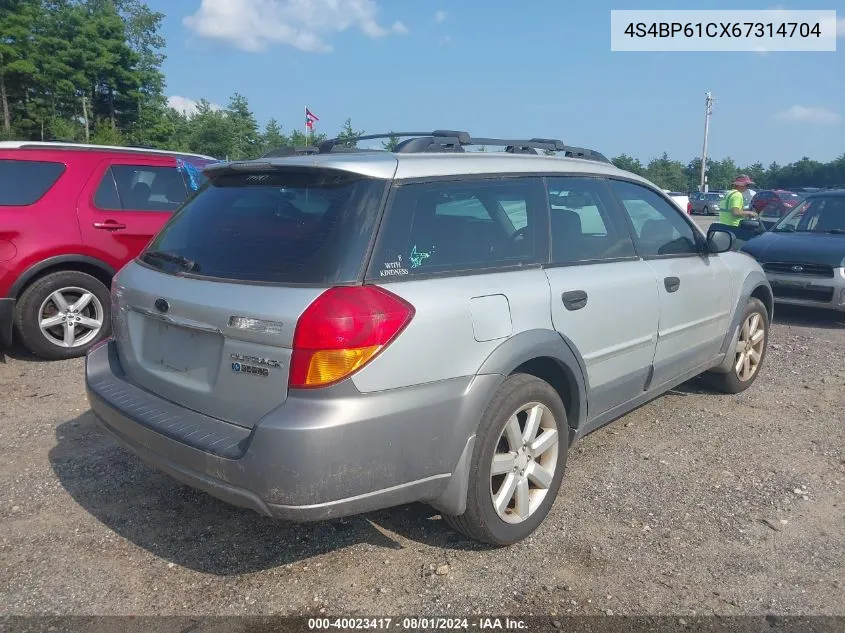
[24,182]
[584,223]
[291,227]
[466,225]
[141,188]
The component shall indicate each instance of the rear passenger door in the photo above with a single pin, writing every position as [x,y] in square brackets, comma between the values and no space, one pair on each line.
[126,203]
[604,298]
[694,287]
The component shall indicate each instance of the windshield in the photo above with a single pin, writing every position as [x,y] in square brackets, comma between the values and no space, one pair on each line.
[298,227]
[823,214]
[787,195]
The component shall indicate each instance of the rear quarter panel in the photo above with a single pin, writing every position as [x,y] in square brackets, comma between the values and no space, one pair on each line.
[459,322]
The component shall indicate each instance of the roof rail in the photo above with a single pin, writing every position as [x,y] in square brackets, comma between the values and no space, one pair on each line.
[91,147]
[443,141]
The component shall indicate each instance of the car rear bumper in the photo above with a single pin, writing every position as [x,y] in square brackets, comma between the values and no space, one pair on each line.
[316,457]
[817,292]
[7,318]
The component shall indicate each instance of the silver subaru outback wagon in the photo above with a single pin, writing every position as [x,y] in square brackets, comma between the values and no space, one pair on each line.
[336,331]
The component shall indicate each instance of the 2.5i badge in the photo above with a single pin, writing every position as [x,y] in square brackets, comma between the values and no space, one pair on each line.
[250,369]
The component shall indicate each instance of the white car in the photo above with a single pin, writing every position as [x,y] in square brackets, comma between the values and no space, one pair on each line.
[681,199]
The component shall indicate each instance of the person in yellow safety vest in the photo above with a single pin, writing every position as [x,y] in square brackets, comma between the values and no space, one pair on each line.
[733,205]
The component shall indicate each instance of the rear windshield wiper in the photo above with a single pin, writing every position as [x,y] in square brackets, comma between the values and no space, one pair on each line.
[188,264]
[836,231]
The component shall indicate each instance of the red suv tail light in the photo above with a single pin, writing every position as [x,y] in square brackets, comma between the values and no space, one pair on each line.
[343,330]
[689,208]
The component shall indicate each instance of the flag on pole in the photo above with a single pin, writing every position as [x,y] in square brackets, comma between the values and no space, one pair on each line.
[310,118]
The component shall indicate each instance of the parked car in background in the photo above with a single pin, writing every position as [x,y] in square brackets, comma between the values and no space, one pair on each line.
[708,203]
[679,198]
[804,254]
[71,215]
[774,204]
[319,336]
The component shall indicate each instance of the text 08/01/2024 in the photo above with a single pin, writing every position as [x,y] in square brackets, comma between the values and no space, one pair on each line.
[713,30]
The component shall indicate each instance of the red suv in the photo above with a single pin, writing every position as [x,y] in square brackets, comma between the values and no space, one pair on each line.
[70,217]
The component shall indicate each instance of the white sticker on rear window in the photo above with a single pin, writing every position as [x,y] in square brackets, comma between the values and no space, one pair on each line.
[393,269]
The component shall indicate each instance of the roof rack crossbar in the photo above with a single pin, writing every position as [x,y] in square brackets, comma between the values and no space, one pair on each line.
[534,143]
[327,146]
[582,152]
[444,141]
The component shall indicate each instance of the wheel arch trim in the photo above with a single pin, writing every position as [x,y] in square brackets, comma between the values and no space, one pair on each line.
[531,345]
[34,271]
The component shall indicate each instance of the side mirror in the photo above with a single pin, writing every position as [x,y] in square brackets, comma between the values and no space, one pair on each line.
[752,226]
[719,241]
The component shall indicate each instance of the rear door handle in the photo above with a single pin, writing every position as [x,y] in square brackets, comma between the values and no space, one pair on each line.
[109,225]
[672,284]
[574,300]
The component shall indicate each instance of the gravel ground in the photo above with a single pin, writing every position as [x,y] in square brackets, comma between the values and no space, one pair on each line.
[696,503]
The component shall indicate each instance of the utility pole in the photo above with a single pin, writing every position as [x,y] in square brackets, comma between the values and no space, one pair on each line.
[708,111]
[85,116]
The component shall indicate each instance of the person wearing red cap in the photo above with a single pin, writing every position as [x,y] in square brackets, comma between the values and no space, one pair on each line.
[733,205]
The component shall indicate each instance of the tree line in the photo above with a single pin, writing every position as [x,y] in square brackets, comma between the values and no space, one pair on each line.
[90,71]
[677,176]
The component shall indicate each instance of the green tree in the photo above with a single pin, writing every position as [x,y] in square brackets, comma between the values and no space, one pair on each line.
[721,173]
[245,140]
[391,143]
[105,133]
[17,69]
[667,173]
[297,138]
[629,163]
[349,136]
[273,137]
[209,132]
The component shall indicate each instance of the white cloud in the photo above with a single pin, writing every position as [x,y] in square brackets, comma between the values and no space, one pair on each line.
[440,16]
[187,106]
[805,114]
[252,25]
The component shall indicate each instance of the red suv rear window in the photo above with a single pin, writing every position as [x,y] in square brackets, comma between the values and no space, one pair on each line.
[24,182]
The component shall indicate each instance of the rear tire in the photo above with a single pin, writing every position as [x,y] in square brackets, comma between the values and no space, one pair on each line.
[63,314]
[749,352]
[529,462]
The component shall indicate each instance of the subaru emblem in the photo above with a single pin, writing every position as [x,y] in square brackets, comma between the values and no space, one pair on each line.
[162,305]
[797,269]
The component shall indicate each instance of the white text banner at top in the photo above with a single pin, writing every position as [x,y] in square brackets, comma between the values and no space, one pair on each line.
[743,30]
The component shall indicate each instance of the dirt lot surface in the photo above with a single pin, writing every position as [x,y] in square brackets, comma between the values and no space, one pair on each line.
[695,503]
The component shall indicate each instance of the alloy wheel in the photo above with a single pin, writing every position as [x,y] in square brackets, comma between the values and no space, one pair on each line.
[524,462]
[71,317]
[749,347]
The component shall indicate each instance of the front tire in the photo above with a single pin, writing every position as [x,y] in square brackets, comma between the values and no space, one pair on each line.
[749,353]
[517,463]
[62,315]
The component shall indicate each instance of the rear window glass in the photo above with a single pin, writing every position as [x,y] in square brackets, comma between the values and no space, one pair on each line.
[299,227]
[462,226]
[24,182]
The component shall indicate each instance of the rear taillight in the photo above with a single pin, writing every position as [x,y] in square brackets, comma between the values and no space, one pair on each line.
[689,208]
[343,330]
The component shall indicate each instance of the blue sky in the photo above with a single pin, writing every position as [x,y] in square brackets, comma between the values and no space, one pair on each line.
[496,68]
